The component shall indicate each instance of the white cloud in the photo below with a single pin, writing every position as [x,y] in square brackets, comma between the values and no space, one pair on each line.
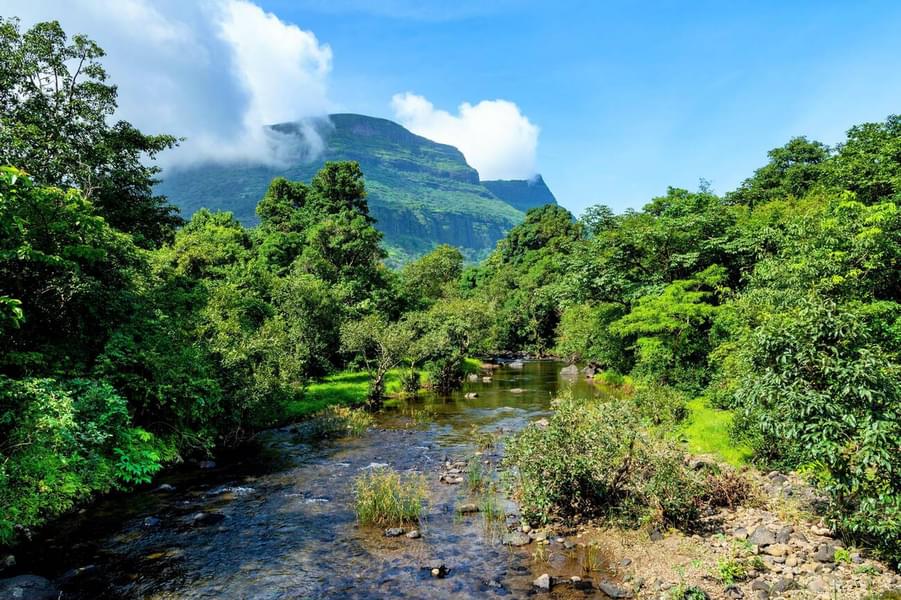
[494,136]
[215,72]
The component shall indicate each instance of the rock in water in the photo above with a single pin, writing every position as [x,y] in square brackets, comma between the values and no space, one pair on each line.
[516,538]
[394,532]
[613,590]
[543,582]
[413,535]
[570,371]
[516,364]
[28,587]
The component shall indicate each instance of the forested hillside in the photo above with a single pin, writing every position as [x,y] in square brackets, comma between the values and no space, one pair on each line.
[420,193]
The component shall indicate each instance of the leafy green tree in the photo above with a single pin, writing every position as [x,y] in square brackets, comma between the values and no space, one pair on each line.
[380,345]
[868,163]
[428,278]
[792,171]
[72,276]
[822,393]
[55,107]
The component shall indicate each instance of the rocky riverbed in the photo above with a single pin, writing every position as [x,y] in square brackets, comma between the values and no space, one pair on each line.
[277,522]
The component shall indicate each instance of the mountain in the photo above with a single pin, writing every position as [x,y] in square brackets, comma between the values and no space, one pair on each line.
[421,193]
[522,194]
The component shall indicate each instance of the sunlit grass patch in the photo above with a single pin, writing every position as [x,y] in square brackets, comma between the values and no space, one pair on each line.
[385,498]
[706,430]
[338,421]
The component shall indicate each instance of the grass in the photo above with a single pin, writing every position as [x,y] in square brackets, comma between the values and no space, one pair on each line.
[385,498]
[348,388]
[339,421]
[707,431]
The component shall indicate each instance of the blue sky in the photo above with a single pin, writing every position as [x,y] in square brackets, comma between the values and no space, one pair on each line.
[629,97]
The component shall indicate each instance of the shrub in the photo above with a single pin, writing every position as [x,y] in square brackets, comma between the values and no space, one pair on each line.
[593,459]
[61,442]
[385,498]
[338,421]
[410,381]
[726,488]
[690,592]
[730,570]
[660,405]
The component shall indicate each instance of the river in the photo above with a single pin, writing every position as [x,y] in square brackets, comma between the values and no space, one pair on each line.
[279,518]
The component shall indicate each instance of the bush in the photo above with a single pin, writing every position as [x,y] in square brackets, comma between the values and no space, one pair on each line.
[61,442]
[660,405]
[593,459]
[822,394]
[384,498]
[338,421]
[410,381]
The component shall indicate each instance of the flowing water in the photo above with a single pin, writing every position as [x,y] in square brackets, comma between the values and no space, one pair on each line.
[279,520]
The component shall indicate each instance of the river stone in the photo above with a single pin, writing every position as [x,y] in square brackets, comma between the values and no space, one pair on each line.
[517,391]
[516,538]
[150,522]
[394,532]
[783,536]
[165,488]
[486,379]
[613,590]
[471,395]
[760,584]
[472,377]
[202,519]
[516,364]
[778,550]
[570,371]
[543,582]
[818,585]
[469,507]
[437,569]
[28,587]
[762,537]
[825,553]
[414,534]
[207,464]
[580,584]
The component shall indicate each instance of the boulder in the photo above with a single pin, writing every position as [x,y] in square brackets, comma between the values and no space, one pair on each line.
[468,508]
[776,550]
[570,371]
[613,590]
[28,587]
[472,378]
[413,535]
[825,553]
[394,532]
[471,395]
[516,364]
[543,582]
[516,538]
[762,537]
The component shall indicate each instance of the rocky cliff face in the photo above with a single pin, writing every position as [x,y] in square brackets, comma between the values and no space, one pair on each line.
[421,193]
[522,194]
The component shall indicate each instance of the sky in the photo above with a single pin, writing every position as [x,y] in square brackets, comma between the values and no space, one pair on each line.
[611,102]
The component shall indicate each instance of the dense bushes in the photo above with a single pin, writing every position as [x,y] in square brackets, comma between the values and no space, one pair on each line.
[594,459]
[63,441]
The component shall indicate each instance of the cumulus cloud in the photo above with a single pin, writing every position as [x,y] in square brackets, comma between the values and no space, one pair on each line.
[494,136]
[214,72]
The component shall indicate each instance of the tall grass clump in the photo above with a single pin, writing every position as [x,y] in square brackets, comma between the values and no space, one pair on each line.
[338,421]
[385,498]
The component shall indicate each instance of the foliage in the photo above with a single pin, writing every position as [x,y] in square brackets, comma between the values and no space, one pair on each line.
[338,421]
[63,441]
[594,459]
[385,498]
[56,106]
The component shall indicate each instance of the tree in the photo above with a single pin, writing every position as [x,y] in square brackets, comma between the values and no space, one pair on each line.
[427,278]
[380,345]
[793,170]
[55,106]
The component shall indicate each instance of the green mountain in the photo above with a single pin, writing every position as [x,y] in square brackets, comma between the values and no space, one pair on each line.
[421,193]
[522,194]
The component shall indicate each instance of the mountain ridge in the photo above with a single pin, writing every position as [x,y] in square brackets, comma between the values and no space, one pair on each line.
[421,193]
